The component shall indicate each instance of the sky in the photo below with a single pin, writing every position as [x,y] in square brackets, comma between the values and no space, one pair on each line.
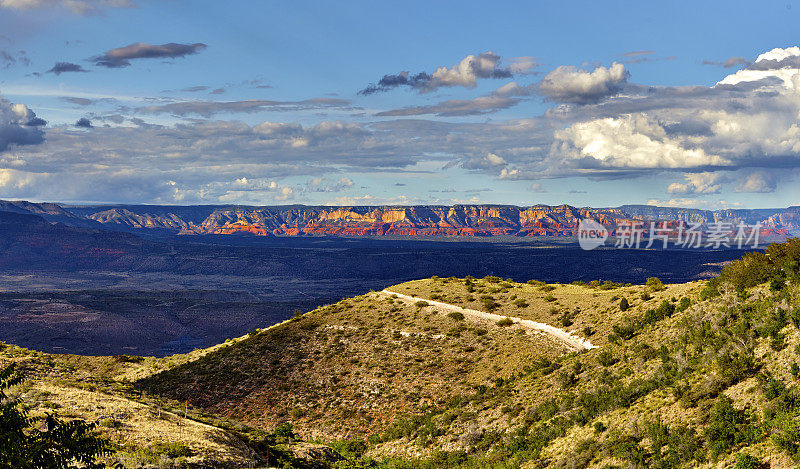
[683,104]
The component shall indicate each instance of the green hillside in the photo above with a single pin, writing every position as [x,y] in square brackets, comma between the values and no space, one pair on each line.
[702,374]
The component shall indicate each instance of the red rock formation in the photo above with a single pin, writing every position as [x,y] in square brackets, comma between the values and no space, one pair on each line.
[427,221]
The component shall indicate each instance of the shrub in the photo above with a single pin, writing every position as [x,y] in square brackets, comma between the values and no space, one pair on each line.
[623,304]
[655,284]
[646,296]
[747,461]
[492,279]
[421,304]
[505,322]
[752,269]
[520,303]
[727,427]
[171,449]
[777,283]
[550,298]
[284,432]
[456,316]
[128,359]
[606,358]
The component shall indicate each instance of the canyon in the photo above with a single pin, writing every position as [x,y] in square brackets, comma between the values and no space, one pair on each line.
[407,221]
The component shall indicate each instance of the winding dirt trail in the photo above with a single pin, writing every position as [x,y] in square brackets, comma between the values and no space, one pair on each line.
[572,341]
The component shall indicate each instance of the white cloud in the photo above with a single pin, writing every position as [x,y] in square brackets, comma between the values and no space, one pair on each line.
[495,160]
[18,125]
[632,141]
[782,64]
[465,74]
[698,183]
[757,181]
[567,84]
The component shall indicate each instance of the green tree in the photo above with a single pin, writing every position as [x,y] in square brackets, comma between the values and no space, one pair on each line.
[655,284]
[47,442]
[623,304]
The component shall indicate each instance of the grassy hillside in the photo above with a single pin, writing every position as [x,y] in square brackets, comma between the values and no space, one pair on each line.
[702,374]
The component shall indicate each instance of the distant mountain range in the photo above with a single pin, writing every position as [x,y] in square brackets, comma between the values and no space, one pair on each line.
[412,221]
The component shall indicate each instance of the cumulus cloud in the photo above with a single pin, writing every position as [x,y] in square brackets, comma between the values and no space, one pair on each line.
[757,181]
[78,7]
[465,73]
[567,84]
[63,67]
[490,160]
[632,141]
[210,108]
[747,120]
[320,184]
[83,123]
[18,125]
[121,57]
[777,59]
[741,125]
[779,65]
[698,183]
[251,190]
[677,203]
[537,187]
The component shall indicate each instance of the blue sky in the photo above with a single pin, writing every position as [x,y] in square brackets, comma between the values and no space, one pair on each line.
[264,102]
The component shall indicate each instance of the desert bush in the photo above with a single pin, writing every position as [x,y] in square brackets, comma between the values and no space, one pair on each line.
[489,304]
[606,358]
[747,461]
[727,428]
[623,304]
[505,322]
[456,316]
[655,284]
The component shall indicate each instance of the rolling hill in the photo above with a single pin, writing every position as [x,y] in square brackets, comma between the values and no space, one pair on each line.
[701,374]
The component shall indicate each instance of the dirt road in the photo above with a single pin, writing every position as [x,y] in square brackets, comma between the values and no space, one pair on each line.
[572,341]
